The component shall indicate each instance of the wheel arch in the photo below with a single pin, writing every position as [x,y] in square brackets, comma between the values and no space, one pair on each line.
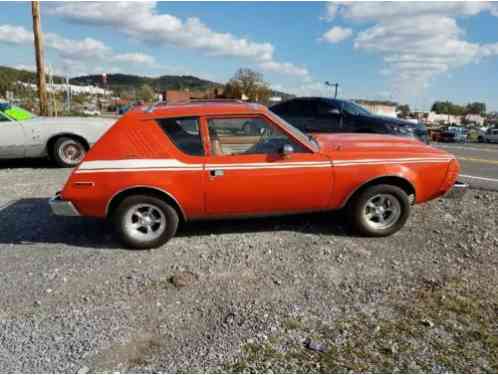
[51,141]
[395,180]
[119,196]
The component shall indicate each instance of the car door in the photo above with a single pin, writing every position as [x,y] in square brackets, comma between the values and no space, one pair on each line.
[11,138]
[247,174]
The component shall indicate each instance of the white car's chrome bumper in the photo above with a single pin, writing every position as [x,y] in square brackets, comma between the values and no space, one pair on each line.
[61,207]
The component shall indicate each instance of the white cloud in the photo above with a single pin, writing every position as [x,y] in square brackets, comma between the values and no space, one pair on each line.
[368,11]
[86,48]
[418,40]
[141,21]
[337,34]
[135,58]
[15,35]
[82,56]
[286,68]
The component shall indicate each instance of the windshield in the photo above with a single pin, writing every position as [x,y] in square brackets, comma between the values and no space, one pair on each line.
[355,109]
[15,112]
[298,134]
[3,117]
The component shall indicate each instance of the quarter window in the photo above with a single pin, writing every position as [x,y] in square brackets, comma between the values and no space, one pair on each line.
[184,133]
[247,136]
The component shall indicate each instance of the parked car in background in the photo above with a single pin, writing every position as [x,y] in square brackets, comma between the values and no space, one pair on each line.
[434,134]
[65,140]
[172,163]
[453,134]
[324,115]
[91,111]
[15,112]
[490,136]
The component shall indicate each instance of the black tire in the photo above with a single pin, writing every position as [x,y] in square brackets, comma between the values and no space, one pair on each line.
[121,215]
[68,152]
[357,208]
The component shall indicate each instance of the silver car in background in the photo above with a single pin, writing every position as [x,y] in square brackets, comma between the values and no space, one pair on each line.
[63,139]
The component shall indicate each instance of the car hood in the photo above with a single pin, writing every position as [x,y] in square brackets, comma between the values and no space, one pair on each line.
[391,120]
[70,121]
[371,145]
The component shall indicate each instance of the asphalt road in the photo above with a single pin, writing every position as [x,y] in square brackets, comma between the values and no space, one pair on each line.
[479,163]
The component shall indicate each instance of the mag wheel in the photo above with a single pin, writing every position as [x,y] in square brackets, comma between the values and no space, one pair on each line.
[144,222]
[380,210]
[68,152]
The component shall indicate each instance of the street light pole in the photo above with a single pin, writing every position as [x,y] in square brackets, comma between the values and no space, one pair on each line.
[336,85]
[40,63]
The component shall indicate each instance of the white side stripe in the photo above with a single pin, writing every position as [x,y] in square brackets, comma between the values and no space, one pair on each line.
[148,165]
[136,163]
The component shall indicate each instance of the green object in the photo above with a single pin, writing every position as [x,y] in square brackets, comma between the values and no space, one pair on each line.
[17,113]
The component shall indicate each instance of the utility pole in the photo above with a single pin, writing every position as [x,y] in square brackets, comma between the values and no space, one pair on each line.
[40,62]
[336,85]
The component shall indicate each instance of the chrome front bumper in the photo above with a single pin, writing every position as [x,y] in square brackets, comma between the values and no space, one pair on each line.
[61,207]
[457,191]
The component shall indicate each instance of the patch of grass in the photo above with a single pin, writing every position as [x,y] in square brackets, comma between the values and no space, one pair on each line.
[291,324]
[451,328]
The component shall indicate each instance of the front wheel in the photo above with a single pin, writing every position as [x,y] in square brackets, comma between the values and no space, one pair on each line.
[68,152]
[380,210]
[144,222]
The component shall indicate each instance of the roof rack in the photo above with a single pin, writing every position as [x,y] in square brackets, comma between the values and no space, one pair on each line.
[189,101]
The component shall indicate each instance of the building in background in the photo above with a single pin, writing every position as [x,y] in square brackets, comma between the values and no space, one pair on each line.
[387,109]
[175,96]
[474,119]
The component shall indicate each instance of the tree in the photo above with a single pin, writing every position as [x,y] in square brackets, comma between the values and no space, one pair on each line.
[249,83]
[448,108]
[146,93]
[475,108]
[404,109]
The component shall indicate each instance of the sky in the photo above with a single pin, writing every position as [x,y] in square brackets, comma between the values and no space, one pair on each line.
[408,52]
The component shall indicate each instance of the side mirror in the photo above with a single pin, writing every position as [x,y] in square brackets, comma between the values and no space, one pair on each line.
[334,111]
[286,150]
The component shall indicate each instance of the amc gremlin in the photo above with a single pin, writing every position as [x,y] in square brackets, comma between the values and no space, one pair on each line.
[166,164]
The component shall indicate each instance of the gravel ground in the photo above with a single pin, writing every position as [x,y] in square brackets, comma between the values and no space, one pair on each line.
[283,294]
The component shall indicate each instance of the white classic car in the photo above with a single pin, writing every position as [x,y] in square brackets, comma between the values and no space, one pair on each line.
[64,139]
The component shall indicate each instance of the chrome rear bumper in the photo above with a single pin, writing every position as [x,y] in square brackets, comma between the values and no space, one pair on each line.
[457,191]
[61,207]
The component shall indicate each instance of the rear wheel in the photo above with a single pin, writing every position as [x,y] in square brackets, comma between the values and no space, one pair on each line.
[380,210]
[144,222]
[68,152]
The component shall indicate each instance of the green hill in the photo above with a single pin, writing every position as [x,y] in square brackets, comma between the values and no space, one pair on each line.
[126,81]
[118,82]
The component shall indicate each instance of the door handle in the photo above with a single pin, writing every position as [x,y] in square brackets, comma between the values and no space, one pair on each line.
[216,172]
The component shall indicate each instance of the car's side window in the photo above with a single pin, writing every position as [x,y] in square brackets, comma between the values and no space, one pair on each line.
[325,108]
[185,134]
[247,136]
[350,108]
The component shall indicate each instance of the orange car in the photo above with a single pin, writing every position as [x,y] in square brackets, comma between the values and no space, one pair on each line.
[159,166]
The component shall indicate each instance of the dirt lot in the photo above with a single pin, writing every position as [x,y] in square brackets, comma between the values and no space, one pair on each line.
[288,294]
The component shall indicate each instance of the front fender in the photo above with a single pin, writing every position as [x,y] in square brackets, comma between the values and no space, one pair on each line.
[350,180]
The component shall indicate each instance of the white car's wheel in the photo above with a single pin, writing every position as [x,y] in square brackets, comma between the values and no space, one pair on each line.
[68,152]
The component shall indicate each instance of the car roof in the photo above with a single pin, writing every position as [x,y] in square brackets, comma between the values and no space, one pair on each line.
[315,98]
[204,107]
